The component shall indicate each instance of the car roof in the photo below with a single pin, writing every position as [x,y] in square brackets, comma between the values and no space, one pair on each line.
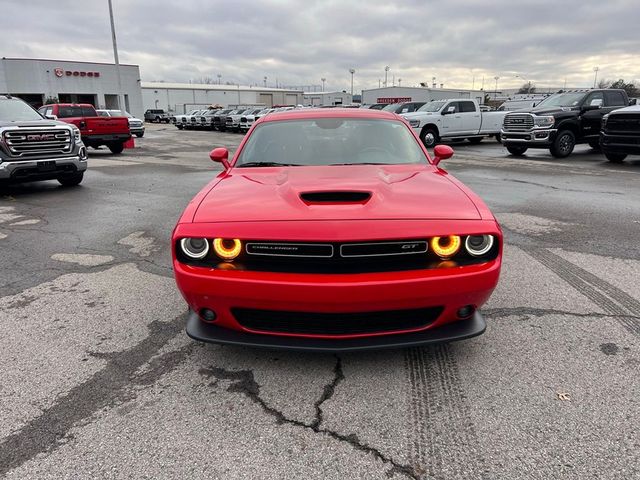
[308,113]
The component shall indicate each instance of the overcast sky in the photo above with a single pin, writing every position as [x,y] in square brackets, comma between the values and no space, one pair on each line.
[299,42]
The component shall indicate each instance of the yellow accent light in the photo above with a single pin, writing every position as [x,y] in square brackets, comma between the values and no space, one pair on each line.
[227,248]
[446,247]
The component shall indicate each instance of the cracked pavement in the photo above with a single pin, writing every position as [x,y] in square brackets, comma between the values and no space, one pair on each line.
[98,379]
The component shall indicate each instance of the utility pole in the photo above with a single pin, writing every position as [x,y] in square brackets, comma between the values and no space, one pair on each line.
[323,80]
[595,78]
[352,71]
[386,72]
[495,93]
[121,104]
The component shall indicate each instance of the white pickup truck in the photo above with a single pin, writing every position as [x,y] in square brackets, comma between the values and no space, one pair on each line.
[455,118]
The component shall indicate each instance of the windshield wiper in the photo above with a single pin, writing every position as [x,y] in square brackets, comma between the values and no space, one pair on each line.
[268,164]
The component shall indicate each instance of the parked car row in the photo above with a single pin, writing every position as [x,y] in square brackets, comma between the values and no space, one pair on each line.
[235,120]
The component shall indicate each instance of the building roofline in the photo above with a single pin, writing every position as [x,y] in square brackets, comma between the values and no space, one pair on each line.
[68,61]
[213,86]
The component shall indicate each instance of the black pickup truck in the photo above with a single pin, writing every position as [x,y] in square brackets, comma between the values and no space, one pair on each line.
[561,121]
[620,134]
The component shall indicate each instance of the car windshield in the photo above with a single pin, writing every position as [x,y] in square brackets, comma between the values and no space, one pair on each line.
[17,111]
[392,108]
[102,113]
[563,100]
[331,141]
[432,106]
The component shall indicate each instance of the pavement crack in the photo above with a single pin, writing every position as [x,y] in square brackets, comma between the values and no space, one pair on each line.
[243,382]
[113,384]
[541,312]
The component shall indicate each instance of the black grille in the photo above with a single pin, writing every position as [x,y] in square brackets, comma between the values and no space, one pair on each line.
[518,122]
[313,323]
[623,123]
[335,197]
[273,249]
[383,248]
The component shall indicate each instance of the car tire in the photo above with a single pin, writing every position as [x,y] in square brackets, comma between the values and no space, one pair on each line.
[116,147]
[615,157]
[498,138]
[139,135]
[179,127]
[564,144]
[71,180]
[429,137]
[516,150]
[475,140]
[595,144]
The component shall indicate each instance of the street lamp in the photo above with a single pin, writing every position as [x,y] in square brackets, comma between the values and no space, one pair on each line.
[323,80]
[495,93]
[352,71]
[121,104]
[219,78]
[386,72]
[595,78]
[399,81]
[264,79]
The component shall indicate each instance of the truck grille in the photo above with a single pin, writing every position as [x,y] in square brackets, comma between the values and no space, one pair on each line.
[623,123]
[229,120]
[518,122]
[31,143]
[350,323]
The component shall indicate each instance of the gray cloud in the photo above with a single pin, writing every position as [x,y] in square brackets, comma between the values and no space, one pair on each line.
[545,41]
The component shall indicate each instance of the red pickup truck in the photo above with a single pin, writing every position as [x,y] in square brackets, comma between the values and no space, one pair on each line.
[95,130]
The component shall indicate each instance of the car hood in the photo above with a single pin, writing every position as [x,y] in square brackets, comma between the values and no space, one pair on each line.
[542,110]
[34,123]
[281,193]
[411,115]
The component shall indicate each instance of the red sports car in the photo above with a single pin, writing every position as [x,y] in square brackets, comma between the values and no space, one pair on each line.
[333,229]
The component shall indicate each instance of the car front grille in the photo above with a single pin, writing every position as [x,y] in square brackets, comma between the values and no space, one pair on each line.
[623,123]
[349,323]
[518,122]
[31,143]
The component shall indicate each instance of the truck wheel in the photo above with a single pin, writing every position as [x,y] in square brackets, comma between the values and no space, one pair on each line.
[116,147]
[475,140]
[139,135]
[429,137]
[563,144]
[516,150]
[179,126]
[498,138]
[595,144]
[71,180]
[615,157]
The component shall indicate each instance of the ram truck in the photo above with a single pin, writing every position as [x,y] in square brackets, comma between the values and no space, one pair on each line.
[454,119]
[33,147]
[95,130]
[561,121]
[620,134]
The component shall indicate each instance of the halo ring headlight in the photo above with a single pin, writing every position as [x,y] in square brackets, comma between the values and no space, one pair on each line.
[446,247]
[478,245]
[227,248]
[195,248]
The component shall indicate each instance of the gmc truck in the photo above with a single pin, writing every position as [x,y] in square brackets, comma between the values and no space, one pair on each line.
[35,148]
[95,130]
[455,118]
[620,134]
[561,121]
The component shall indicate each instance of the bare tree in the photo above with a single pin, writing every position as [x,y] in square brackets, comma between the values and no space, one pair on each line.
[203,81]
[604,83]
[527,88]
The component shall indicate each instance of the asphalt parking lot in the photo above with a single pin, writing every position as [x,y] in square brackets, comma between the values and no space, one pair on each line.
[98,379]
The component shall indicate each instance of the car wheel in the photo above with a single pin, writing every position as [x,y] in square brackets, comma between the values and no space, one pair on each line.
[139,135]
[116,147]
[475,140]
[516,150]
[429,137]
[71,180]
[179,127]
[563,144]
[595,144]
[498,138]
[615,157]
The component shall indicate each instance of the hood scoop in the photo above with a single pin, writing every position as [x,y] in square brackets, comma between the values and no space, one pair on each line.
[335,196]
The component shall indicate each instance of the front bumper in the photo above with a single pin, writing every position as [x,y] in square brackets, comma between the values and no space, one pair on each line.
[135,130]
[627,144]
[535,138]
[460,330]
[42,168]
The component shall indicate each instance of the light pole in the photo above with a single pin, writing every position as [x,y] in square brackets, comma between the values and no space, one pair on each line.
[352,71]
[323,80]
[495,93]
[219,78]
[121,104]
[399,82]
[264,79]
[595,78]
[386,72]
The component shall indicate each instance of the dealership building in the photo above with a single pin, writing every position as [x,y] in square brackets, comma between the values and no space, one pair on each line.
[36,81]
[183,97]
[417,94]
[325,99]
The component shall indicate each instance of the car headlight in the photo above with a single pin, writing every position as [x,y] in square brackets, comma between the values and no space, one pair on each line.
[478,245]
[414,123]
[195,248]
[227,248]
[446,247]
[546,121]
[77,137]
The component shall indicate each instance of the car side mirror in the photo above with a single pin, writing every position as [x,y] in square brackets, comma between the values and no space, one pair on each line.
[441,152]
[51,117]
[220,155]
[588,108]
[449,111]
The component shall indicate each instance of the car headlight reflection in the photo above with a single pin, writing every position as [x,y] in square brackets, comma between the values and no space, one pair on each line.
[195,248]
[227,248]
[446,247]
[478,245]
[544,121]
